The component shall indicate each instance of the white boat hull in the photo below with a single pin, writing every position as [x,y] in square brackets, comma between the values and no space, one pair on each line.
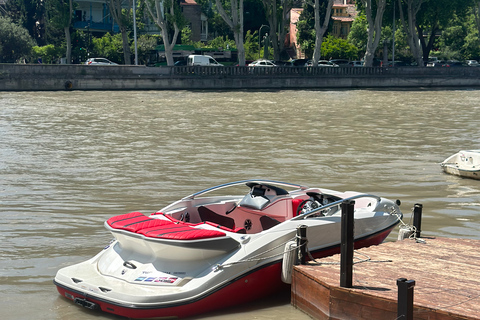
[465,163]
[159,266]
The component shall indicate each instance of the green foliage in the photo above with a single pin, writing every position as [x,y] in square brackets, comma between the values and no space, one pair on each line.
[109,47]
[252,51]
[29,14]
[465,48]
[222,42]
[358,34]
[15,41]
[48,53]
[338,48]
[306,27]
[186,36]
[145,45]
[59,13]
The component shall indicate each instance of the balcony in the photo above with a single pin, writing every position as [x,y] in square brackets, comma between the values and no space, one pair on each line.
[96,26]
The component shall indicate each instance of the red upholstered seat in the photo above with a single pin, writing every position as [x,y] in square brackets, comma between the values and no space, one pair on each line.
[157,228]
[135,221]
[180,232]
[295,203]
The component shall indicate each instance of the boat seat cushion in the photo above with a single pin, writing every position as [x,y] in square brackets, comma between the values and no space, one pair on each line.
[135,221]
[180,232]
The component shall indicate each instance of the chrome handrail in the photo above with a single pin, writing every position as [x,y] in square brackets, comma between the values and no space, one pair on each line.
[222,186]
[334,204]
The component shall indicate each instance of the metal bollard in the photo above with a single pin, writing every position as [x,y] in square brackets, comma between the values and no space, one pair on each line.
[417,218]
[347,244]
[302,244]
[405,299]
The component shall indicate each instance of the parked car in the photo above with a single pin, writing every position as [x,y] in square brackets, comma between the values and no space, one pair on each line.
[262,63]
[398,64]
[202,60]
[279,63]
[454,63]
[355,64]
[437,63]
[473,63]
[99,61]
[299,62]
[180,63]
[340,62]
[322,63]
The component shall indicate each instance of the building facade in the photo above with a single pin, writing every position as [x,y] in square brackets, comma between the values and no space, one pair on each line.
[342,16]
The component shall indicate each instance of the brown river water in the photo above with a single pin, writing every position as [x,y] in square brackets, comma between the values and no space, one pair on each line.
[71,160]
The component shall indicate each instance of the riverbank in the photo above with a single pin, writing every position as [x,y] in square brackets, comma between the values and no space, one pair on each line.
[18,77]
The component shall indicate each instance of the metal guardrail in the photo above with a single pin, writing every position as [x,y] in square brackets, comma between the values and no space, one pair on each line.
[320,71]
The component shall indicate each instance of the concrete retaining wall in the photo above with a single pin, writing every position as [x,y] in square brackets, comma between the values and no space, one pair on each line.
[18,77]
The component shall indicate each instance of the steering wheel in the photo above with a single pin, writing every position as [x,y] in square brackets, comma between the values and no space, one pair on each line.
[308,205]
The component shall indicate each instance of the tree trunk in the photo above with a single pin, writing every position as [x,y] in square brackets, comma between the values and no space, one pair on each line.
[158,16]
[116,11]
[409,26]
[374,29]
[68,38]
[69,44]
[235,22]
[320,29]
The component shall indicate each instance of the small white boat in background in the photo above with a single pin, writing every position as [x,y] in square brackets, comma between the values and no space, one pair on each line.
[203,253]
[465,163]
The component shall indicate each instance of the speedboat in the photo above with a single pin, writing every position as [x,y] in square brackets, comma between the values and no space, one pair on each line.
[212,250]
[465,163]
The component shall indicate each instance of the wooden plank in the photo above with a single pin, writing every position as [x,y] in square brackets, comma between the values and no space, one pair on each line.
[446,273]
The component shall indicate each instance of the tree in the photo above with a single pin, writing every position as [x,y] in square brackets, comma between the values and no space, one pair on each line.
[122,17]
[108,46]
[15,41]
[278,15]
[338,48]
[320,27]
[434,16]
[235,22]
[476,13]
[374,28]
[167,13]
[409,25]
[31,15]
[60,16]
[358,34]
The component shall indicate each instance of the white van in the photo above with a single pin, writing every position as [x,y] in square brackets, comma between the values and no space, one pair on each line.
[199,60]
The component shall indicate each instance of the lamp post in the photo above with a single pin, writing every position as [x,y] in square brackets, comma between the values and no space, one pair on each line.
[260,37]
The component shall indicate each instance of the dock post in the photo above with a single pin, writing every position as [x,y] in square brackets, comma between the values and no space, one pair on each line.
[417,218]
[405,299]
[302,243]
[346,245]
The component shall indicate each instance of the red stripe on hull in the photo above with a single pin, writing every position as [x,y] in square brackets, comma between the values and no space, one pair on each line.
[259,284]
[256,285]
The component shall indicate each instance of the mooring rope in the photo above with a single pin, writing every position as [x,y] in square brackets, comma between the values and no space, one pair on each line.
[411,228]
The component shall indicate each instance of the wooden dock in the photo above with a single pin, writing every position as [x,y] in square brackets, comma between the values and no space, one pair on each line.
[446,273]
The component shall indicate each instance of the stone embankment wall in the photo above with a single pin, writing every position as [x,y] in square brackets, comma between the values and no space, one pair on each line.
[18,77]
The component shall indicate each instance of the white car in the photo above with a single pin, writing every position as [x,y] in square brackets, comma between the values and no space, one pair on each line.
[323,63]
[99,61]
[262,63]
[473,63]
